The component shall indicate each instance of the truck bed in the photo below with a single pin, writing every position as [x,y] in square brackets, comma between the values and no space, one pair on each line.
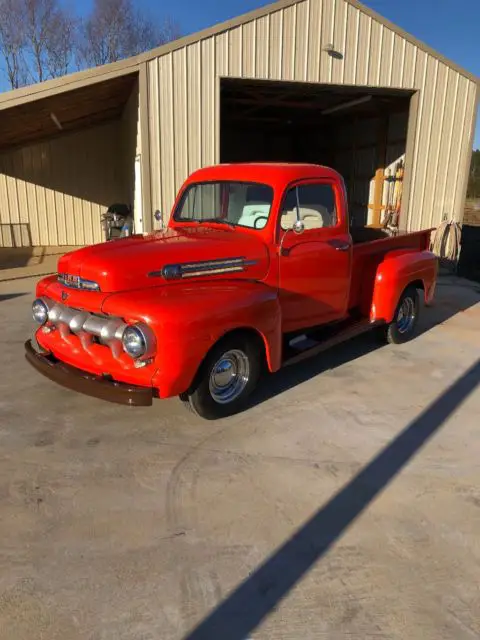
[369,248]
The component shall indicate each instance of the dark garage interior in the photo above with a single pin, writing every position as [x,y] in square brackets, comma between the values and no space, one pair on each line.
[359,131]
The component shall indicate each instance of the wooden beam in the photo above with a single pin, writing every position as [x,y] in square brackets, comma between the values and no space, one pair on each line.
[380,162]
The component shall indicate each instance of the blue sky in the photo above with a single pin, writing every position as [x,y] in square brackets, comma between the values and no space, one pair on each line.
[449,26]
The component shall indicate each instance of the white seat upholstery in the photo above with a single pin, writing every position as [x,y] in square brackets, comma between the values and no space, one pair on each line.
[251,212]
[288,219]
[314,217]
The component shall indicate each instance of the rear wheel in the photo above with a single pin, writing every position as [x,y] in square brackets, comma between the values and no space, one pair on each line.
[226,379]
[402,328]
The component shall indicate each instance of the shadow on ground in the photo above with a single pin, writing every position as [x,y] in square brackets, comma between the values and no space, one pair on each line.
[10,296]
[253,600]
[11,258]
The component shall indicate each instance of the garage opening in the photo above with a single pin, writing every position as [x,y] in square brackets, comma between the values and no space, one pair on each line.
[64,159]
[359,131]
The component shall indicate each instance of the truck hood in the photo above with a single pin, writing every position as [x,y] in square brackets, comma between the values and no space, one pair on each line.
[138,261]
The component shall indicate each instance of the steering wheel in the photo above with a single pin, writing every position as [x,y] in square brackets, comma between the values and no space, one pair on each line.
[255,226]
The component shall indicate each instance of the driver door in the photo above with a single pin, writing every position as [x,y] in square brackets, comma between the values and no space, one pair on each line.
[314,269]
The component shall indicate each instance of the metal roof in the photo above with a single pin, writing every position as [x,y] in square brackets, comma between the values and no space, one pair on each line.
[97,74]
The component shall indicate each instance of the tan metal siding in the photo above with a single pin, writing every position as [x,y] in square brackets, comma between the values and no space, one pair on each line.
[340,24]
[130,147]
[288,44]
[194,93]
[314,41]
[301,40]
[262,53]
[52,192]
[275,45]
[350,48]
[398,57]
[467,116]
[235,58]
[327,31]
[249,49]
[210,113]
[433,149]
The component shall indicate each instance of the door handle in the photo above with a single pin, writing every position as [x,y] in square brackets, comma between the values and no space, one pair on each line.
[339,245]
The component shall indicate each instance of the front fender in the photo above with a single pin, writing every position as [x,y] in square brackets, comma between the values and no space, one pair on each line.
[397,271]
[188,319]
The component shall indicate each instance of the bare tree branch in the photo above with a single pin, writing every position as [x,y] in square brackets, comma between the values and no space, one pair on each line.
[12,42]
[42,39]
[49,38]
[115,30]
[61,44]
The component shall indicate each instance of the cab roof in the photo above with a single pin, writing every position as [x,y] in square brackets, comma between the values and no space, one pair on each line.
[275,174]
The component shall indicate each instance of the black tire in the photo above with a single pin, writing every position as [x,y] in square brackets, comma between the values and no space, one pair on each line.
[399,330]
[199,398]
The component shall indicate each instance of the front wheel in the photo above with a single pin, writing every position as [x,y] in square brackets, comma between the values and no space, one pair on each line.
[402,328]
[226,379]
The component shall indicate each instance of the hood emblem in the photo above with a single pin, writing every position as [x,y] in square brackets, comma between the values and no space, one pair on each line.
[76,282]
[64,295]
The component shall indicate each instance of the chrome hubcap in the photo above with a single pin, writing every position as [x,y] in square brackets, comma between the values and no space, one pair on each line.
[406,316]
[229,376]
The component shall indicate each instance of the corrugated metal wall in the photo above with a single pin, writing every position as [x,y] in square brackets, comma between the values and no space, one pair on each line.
[287,44]
[52,192]
[130,147]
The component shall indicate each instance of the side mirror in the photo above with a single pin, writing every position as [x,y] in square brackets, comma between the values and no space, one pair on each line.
[158,215]
[298,226]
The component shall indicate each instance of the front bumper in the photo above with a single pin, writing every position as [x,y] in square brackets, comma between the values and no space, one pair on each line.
[87,383]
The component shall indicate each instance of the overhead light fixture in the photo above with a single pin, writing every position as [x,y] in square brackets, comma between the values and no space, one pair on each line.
[346,105]
[332,52]
[56,121]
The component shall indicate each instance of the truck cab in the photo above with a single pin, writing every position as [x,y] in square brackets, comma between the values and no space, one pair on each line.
[257,268]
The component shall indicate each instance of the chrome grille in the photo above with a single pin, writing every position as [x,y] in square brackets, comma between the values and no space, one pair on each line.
[107,329]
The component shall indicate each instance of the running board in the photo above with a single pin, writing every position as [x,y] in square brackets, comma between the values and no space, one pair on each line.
[315,347]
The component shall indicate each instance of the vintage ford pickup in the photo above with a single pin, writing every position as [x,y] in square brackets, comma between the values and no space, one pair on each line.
[257,268]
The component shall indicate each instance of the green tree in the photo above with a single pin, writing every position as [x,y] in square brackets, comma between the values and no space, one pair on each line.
[473,190]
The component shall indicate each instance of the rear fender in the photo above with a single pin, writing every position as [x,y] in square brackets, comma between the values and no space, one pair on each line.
[395,273]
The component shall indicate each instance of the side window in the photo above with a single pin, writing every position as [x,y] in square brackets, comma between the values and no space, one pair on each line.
[289,210]
[316,206]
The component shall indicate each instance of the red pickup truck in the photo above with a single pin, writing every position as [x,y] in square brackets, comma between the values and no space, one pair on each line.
[258,268]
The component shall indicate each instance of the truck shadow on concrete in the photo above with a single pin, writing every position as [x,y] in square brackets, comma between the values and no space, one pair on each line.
[454,296]
[10,296]
[259,595]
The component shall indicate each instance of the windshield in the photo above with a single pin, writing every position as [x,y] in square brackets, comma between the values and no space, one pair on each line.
[245,204]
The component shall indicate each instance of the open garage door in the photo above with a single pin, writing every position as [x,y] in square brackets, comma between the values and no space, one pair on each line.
[359,131]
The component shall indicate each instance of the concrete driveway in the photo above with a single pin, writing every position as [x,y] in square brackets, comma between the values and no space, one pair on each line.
[344,504]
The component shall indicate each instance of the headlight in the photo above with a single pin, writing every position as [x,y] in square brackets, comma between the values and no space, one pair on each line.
[139,341]
[39,311]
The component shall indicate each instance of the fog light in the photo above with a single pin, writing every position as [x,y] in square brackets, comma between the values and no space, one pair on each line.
[39,311]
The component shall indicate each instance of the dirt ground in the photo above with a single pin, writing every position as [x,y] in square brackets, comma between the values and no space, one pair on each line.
[345,503]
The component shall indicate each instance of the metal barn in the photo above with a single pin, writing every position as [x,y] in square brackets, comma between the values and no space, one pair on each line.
[324,81]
